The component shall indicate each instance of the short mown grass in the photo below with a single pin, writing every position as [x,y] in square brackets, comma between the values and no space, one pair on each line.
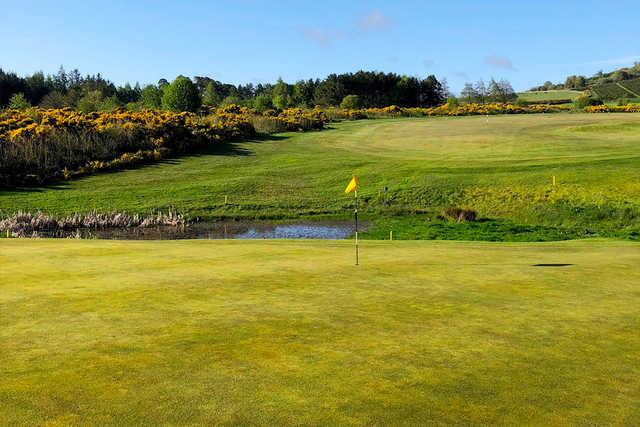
[292,333]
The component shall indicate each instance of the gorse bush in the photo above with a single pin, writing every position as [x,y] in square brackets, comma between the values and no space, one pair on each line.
[292,119]
[39,145]
[449,109]
[629,108]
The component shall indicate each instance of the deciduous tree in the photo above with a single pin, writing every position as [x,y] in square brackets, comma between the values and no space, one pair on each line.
[181,95]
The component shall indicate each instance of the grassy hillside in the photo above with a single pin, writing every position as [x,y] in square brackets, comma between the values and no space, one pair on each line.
[501,166]
[291,333]
[548,95]
[612,91]
[623,74]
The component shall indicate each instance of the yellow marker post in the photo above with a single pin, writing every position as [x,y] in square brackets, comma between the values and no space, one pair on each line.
[553,179]
[391,235]
[226,199]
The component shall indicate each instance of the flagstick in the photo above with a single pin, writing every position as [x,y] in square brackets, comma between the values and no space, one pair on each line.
[356,218]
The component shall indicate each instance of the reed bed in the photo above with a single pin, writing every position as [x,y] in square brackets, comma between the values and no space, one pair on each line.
[27,224]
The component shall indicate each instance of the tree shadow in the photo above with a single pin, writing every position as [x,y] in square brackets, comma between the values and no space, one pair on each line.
[54,185]
[233,147]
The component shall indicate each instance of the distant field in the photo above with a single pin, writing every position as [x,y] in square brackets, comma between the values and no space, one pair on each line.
[549,95]
[501,166]
[291,333]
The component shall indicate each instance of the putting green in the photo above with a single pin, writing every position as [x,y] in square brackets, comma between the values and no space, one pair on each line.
[282,332]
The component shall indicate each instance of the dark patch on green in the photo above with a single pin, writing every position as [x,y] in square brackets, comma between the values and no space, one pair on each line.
[551,265]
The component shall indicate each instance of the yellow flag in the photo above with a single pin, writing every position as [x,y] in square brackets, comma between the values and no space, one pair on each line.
[353,185]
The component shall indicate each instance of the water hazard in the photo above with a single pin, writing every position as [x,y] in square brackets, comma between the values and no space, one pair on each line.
[219,230]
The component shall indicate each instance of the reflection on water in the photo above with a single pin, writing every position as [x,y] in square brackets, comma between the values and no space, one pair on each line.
[298,231]
[220,230]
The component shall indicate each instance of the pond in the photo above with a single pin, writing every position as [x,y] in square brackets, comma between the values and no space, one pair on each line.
[219,230]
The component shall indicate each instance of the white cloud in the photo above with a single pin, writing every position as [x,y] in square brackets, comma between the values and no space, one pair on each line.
[322,37]
[499,62]
[375,21]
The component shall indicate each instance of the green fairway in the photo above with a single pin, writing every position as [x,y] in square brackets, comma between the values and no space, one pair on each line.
[501,166]
[549,95]
[290,333]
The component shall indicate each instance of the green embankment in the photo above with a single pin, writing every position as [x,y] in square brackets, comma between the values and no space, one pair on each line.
[501,166]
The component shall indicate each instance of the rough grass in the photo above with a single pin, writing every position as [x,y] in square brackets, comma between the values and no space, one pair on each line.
[501,166]
[291,333]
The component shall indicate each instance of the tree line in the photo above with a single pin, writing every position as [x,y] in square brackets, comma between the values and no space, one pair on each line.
[495,91]
[362,89]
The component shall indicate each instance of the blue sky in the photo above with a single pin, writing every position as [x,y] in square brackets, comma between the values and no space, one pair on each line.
[526,42]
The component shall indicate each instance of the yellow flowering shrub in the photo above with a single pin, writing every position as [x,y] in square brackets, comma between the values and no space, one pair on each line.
[442,110]
[629,108]
[37,145]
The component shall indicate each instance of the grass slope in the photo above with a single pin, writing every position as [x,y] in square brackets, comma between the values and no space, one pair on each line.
[291,333]
[618,90]
[549,95]
[501,166]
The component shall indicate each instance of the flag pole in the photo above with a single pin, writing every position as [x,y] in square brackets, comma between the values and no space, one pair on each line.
[355,213]
[353,187]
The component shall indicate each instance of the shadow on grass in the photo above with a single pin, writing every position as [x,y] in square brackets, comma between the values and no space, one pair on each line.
[56,185]
[551,265]
[234,147]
